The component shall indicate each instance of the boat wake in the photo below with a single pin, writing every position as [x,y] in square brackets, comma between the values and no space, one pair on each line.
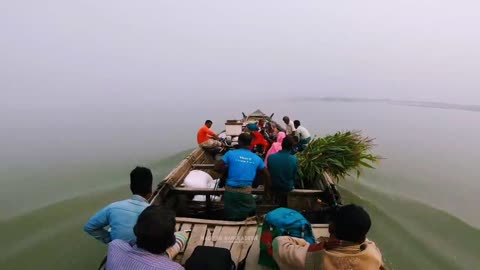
[413,235]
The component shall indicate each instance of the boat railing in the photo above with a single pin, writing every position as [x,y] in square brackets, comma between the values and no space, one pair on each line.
[220,191]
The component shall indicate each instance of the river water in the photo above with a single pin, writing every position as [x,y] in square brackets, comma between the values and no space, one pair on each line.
[422,197]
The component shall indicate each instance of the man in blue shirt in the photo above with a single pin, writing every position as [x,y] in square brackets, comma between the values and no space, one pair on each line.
[243,166]
[121,216]
[283,168]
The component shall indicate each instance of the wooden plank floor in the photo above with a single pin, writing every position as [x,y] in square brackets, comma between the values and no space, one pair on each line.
[242,241]
[238,239]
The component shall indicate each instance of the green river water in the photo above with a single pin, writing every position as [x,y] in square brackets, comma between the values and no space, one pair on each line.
[422,198]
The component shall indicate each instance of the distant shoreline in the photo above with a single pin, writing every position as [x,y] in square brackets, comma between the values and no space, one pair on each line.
[425,104]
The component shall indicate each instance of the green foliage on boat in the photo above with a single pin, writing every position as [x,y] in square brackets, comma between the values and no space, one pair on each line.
[338,155]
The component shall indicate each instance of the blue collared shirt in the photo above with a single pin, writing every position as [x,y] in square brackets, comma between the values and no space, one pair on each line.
[121,216]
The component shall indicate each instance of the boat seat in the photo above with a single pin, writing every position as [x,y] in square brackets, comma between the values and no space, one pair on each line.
[203,166]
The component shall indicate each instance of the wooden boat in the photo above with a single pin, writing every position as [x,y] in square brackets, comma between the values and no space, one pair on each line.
[204,218]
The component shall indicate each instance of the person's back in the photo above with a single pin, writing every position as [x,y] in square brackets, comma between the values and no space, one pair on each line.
[242,170]
[303,134]
[289,126]
[242,167]
[155,233]
[283,167]
[347,248]
[121,216]
[276,146]
[257,138]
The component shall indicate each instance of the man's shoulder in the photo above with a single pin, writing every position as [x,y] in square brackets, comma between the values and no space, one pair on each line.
[119,203]
[274,156]
[128,204]
[118,244]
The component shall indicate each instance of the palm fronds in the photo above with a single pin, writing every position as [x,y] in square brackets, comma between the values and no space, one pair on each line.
[339,155]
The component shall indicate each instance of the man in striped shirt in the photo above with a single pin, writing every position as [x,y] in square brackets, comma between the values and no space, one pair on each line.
[155,232]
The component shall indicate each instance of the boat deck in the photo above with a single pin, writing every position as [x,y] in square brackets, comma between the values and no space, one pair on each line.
[241,238]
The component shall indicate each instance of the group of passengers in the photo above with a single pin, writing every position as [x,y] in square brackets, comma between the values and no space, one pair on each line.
[263,135]
[140,236]
[245,164]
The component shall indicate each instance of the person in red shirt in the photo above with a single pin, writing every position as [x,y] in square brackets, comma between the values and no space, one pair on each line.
[261,124]
[258,138]
[208,139]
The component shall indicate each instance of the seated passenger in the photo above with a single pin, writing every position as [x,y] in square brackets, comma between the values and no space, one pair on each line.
[243,166]
[207,139]
[261,124]
[276,146]
[346,248]
[289,126]
[252,127]
[122,215]
[283,167]
[157,243]
[258,139]
[303,135]
[296,145]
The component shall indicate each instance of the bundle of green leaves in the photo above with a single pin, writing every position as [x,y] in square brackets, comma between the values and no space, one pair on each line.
[338,155]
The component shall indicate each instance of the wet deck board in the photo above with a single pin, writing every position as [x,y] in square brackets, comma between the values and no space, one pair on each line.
[212,238]
[197,238]
[242,243]
[227,236]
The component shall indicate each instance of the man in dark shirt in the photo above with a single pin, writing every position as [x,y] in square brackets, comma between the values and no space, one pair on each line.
[283,168]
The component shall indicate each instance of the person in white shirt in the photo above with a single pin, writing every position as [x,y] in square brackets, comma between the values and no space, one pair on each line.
[290,127]
[303,135]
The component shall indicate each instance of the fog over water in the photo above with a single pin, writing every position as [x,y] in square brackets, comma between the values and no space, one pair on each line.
[74,74]
[90,89]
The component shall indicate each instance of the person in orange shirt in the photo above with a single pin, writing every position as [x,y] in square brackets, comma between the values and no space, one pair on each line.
[208,139]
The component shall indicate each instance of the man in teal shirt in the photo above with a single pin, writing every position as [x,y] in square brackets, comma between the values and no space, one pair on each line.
[283,168]
[243,166]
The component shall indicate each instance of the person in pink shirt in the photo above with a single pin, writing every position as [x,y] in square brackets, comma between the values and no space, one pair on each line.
[276,146]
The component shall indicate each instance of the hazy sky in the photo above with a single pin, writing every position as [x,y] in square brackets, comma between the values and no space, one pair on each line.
[127,52]
[110,71]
